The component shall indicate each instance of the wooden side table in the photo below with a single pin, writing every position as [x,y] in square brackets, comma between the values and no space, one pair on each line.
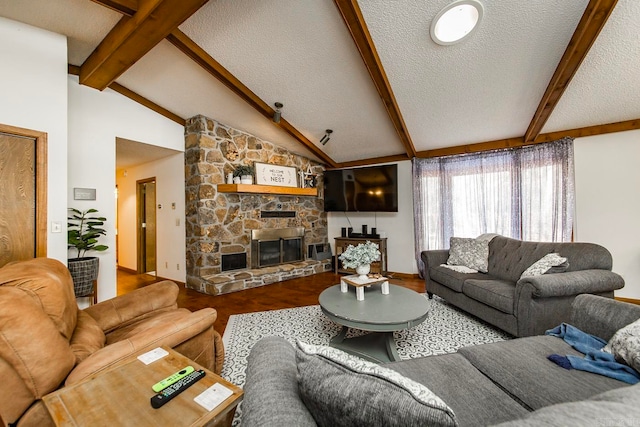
[121,396]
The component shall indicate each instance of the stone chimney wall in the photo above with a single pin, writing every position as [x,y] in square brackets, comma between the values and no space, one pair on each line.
[221,223]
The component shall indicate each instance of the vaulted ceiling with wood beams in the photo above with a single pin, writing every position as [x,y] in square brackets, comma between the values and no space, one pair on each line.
[532,71]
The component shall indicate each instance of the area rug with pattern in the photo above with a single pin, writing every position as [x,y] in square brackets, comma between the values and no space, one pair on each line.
[445,330]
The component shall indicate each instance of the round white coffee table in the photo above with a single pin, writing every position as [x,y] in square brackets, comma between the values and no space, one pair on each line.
[378,313]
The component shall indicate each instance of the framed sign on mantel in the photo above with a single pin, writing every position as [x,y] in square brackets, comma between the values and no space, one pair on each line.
[283,176]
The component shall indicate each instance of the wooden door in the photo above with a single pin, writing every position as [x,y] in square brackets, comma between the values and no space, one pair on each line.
[23,194]
[146,201]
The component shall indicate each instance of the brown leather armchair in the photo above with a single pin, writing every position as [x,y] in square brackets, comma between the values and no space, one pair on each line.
[46,342]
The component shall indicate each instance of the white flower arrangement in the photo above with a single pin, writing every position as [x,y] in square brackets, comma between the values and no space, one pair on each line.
[363,254]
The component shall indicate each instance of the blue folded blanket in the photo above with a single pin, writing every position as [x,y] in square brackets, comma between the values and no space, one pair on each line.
[595,360]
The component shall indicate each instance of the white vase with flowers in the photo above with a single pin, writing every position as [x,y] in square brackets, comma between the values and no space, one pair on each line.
[360,257]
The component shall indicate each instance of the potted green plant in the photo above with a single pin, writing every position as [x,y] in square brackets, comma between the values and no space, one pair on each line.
[245,172]
[83,231]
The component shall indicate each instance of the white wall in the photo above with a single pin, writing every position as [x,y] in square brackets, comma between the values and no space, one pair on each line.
[170,245]
[398,226]
[33,95]
[607,200]
[95,120]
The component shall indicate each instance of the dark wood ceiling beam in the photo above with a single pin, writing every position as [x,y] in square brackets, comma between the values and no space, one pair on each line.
[198,55]
[75,70]
[542,138]
[132,37]
[126,7]
[504,143]
[352,16]
[593,20]
[473,148]
[134,96]
[213,67]
[374,161]
[591,130]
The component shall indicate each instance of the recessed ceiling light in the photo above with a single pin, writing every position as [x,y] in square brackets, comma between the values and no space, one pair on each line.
[456,22]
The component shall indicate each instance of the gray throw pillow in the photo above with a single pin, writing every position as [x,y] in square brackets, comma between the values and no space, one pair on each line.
[343,390]
[550,263]
[472,253]
[625,345]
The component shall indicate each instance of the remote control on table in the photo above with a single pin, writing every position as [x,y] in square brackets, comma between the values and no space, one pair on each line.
[171,379]
[176,388]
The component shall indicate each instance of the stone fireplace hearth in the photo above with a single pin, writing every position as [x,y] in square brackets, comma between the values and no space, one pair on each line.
[220,224]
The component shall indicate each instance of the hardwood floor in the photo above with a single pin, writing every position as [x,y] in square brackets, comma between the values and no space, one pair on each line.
[288,294]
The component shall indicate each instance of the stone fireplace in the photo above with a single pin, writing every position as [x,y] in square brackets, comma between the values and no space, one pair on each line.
[220,226]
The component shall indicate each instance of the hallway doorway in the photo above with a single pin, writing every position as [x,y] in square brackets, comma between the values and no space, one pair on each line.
[146,225]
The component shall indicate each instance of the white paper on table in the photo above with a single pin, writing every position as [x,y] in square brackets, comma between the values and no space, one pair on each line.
[213,396]
[153,355]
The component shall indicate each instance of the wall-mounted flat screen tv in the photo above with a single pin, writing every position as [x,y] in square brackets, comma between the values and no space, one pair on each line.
[367,189]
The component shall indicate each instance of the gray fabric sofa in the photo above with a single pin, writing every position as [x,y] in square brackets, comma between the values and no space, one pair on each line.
[509,382]
[529,306]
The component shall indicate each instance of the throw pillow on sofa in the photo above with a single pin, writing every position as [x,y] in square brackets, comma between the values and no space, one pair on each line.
[550,263]
[471,253]
[341,389]
[625,345]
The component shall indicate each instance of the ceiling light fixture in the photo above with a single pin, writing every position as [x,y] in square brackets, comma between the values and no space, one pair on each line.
[277,114]
[456,22]
[326,137]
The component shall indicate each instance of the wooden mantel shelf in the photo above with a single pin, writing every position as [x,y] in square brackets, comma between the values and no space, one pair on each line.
[266,189]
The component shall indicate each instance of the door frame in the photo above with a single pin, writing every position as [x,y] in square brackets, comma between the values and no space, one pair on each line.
[41,182]
[141,262]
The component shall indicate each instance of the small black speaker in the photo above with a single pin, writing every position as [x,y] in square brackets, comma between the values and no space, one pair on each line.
[343,232]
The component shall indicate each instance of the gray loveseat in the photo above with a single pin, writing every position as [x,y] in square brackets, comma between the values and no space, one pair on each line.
[510,382]
[529,306]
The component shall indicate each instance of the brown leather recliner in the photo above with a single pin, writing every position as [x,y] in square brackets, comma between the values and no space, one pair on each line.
[47,343]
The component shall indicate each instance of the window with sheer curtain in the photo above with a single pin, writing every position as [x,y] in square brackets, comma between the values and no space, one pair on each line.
[524,193]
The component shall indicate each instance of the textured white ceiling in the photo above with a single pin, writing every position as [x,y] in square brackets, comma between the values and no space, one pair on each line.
[83,22]
[484,88]
[300,53]
[167,77]
[606,88]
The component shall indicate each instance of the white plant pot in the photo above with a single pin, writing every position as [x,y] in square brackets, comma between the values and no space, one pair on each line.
[363,270]
[246,179]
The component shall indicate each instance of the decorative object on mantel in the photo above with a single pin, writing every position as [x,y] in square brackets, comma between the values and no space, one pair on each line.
[269,174]
[360,257]
[308,179]
[245,173]
[83,233]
